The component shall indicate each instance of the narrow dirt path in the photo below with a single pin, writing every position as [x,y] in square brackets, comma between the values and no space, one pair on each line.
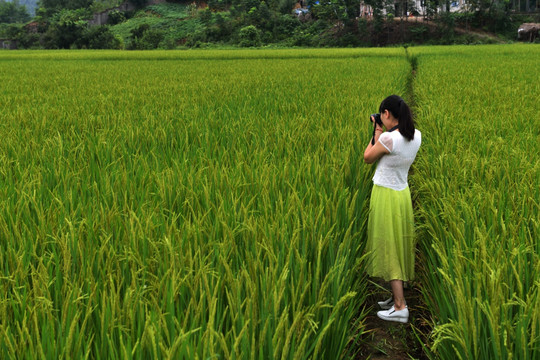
[390,340]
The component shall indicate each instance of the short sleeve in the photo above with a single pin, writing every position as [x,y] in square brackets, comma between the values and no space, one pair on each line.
[386,140]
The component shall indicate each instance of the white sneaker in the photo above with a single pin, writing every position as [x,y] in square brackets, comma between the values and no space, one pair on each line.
[401,316]
[387,304]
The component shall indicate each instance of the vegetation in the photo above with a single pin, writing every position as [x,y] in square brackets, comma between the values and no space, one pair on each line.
[248,23]
[159,26]
[213,203]
[186,204]
[12,12]
[476,181]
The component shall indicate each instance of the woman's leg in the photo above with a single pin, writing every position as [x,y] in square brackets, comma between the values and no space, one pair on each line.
[400,312]
[397,290]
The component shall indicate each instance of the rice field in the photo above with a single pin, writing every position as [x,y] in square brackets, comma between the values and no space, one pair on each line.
[185,204]
[477,181]
[213,204]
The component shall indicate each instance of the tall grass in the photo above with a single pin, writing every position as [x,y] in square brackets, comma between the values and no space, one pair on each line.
[185,205]
[477,182]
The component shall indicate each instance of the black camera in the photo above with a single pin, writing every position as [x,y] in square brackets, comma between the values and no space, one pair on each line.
[377,118]
[378,121]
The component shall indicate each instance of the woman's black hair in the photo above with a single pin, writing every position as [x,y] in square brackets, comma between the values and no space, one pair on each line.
[401,111]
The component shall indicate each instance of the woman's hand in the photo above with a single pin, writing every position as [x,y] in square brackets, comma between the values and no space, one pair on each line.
[378,128]
[375,152]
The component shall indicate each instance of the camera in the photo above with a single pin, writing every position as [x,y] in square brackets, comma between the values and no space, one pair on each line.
[377,118]
[378,121]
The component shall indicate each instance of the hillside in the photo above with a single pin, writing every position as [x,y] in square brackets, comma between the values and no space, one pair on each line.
[236,23]
[176,24]
[168,24]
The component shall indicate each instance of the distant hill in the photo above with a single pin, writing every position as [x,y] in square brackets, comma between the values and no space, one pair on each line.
[31,6]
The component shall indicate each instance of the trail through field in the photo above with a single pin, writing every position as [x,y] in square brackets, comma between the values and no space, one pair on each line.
[392,340]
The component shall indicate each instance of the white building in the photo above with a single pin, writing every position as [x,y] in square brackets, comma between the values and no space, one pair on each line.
[411,8]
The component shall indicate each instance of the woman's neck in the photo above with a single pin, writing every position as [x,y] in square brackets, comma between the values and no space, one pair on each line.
[394,126]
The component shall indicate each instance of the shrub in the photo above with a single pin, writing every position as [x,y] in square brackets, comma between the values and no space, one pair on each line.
[249,36]
[195,39]
[418,33]
[144,37]
[116,17]
[151,39]
[101,37]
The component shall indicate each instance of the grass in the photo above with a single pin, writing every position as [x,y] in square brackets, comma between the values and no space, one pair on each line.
[477,184]
[185,204]
[191,204]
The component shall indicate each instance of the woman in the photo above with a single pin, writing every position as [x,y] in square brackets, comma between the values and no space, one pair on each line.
[391,225]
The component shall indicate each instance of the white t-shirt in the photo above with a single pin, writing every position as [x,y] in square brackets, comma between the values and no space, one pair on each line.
[393,169]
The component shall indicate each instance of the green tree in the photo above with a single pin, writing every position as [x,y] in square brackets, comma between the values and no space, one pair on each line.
[344,10]
[285,6]
[50,7]
[249,36]
[12,12]
[116,17]
[66,28]
[144,37]
[99,37]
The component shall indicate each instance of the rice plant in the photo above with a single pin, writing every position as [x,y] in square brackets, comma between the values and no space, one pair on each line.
[186,204]
[478,196]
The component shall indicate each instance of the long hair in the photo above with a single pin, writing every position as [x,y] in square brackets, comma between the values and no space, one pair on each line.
[402,112]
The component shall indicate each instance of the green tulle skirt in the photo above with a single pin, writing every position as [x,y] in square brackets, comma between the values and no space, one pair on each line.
[391,243]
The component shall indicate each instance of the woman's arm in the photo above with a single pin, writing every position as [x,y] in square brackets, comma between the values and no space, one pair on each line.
[375,152]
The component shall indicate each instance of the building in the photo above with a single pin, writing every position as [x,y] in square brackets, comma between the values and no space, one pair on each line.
[413,8]
[8,44]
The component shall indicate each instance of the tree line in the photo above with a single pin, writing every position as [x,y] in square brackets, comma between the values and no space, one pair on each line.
[12,12]
[65,23]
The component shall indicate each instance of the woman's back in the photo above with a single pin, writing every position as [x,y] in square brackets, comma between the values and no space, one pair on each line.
[393,168]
